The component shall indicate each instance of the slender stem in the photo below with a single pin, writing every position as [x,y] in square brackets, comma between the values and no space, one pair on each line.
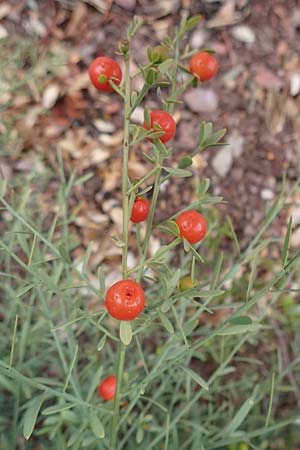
[115,419]
[149,224]
[125,166]
[142,180]
[125,187]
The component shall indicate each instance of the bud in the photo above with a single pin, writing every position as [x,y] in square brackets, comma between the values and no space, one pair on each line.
[158,54]
[124,46]
[151,75]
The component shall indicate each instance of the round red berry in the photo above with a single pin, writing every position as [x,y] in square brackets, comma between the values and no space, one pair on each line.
[103,69]
[165,122]
[192,226]
[140,210]
[107,388]
[204,66]
[125,300]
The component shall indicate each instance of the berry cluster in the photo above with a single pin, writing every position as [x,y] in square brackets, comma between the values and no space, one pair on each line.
[125,299]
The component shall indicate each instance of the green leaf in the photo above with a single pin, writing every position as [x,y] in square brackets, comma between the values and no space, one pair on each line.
[125,332]
[233,235]
[238,418]
[165,307]
[172,283]
[214,138]
[62,248]
[196,377]
[139,435]
[166,322]
[252,276]
[31,415]
[203,186]
[239,329]
[96,425]
[58,408]
[241,320]
[176,351]
[175,172]
[147,119]
[192,22]
[165,66]
[161,148]
[286,244]
[101,343]
[189,327]
[194,251]
[187,161]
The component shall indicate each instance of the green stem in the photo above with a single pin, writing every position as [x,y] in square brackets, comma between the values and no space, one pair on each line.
[142,180]
[149,224]
[125,187]
[115,420]
[125,166]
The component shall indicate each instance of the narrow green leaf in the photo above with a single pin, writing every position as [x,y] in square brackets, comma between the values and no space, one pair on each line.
[175,172]
[172,283]
[192,22]
[58,408]
[165,66]
[239,329]
[189,327]
[101,343]
[176,351]
[166,322]
[252,276]
[241,320]
[238,418]
[203,186]
[233,235]
[285,252]
[31,415]
[64,253]
[196,377]
[214,138]
[125,332]
[147,119]
[96,425]
[187,161]
[165,307]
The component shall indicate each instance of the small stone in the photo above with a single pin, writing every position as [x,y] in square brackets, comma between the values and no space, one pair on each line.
[244,34]
[222,162]
[50,96]
[198,38]
[295,238]
[202,100]
[3,32]
[295,84]
[267,194]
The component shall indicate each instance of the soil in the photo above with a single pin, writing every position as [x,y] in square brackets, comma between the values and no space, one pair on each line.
[255,96]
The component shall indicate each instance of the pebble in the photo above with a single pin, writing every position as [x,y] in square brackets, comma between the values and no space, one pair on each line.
[244,34]
[267,194]
[202,100]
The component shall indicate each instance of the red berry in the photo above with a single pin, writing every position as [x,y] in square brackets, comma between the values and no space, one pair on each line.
[166,123]
[107,388]
[192,226]
[140,210]
[125,300]
[101,70]
[204,66]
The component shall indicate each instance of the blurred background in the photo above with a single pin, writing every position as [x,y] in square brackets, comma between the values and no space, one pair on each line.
[48,103]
